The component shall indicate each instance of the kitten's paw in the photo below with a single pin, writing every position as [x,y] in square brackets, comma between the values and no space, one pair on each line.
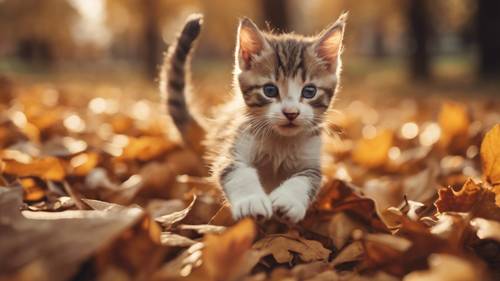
[287,206]
[255,205]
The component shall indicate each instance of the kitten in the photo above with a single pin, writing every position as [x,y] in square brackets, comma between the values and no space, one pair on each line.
[264,144]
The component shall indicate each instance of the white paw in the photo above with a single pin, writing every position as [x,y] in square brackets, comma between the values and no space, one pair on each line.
[287,206]
[254,205]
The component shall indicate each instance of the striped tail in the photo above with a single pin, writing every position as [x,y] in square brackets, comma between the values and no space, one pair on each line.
[174,76]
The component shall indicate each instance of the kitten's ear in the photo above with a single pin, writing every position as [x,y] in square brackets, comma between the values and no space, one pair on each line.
[250,42]
[329,43]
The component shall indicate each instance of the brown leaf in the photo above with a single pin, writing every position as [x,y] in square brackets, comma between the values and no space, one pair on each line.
[69,237]
[447,268]
[281,247]
[352,252]
[338,196]
[175,240]
[170,219]
[490,156]
[472,197]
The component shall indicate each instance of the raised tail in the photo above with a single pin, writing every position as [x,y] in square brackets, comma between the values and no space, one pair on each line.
[174,77]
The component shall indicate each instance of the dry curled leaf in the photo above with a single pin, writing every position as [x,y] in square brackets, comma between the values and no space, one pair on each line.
[69,237]
[472,197]
[170,219]
[282,247]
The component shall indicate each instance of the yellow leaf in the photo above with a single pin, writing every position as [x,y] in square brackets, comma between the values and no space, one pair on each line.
[454,121]
[372,152]
[83,163]
[48,168]
[490,155]
[31,190]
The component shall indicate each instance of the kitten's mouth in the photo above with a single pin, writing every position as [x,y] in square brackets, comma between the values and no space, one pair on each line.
[289,126]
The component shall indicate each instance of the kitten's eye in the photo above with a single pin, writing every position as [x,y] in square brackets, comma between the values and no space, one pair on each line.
[270,90]
[309,91]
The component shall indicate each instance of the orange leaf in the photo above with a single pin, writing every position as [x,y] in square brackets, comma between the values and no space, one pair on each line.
[146,148]
[227,256]
[454,121]
[48,168]
[31,190]
[490,155]
[83,163]
[372,153]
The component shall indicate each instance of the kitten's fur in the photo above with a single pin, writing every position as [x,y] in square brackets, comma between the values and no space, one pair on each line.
[264,164]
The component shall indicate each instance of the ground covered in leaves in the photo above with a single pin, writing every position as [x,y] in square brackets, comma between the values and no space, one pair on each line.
[96,187]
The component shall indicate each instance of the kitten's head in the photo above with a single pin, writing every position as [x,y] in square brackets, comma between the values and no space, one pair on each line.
[288,81]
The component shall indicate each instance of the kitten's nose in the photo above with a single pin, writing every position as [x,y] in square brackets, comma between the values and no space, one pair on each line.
[290,114]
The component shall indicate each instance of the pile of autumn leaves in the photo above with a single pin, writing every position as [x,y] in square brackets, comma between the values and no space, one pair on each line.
[93,189]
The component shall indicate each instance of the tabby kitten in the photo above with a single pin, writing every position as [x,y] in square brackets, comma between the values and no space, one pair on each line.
[264,145]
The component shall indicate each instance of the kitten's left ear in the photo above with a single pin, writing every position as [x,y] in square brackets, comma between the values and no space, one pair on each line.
[329,44]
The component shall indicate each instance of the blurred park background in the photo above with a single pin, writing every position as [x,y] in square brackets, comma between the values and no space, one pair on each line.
[448,47]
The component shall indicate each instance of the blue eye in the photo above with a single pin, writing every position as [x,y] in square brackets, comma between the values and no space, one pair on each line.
[270,90]
[309,91]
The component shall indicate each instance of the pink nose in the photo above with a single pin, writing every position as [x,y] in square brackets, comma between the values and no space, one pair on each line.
[290,115]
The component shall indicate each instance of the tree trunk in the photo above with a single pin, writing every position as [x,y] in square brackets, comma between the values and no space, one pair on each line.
[152,39]
[275,13]
[488,32]
[419,31]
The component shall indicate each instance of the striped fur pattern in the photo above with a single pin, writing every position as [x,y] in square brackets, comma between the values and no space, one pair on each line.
[265,144]
[174,77]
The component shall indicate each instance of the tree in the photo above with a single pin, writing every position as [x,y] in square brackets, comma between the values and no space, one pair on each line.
[488,32]
[419,34]
[275,12]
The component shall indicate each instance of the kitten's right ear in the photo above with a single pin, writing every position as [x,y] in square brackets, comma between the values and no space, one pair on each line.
[250,43]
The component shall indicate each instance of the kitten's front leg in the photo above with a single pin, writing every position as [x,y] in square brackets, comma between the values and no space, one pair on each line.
[244,191]
[292,197]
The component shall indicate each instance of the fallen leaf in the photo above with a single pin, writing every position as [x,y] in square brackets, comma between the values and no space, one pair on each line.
[203,228]
[146,148]
[282,247]
[490,156]
[82,164]
[175,240]
[352,252]
[454,122]
[69,237]
[472,197]
[47,168]
[373,152]
[229,256]
[446,268]
[168,220]
[32,190]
